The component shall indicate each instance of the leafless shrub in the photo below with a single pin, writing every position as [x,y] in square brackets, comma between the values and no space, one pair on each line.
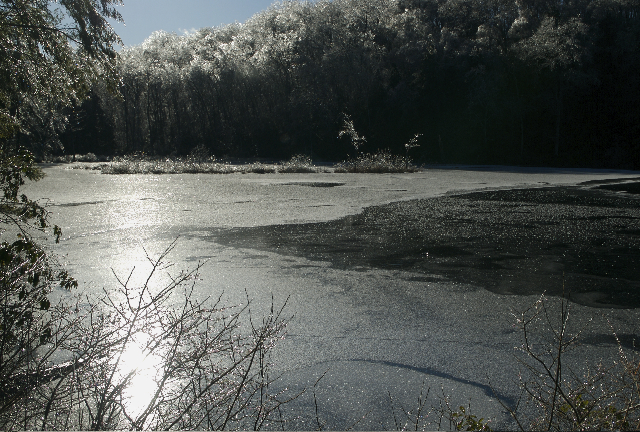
[557,397]
[149,357]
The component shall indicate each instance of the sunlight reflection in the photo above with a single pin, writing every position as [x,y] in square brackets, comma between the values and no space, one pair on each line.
[133,213]
[143,362]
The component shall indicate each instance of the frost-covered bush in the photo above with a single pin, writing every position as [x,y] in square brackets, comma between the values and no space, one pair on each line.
[298,164]
[380,162]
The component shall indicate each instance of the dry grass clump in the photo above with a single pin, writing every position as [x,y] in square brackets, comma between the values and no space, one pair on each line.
[168,166]
[71,158]
[258,168]
[298,164]
[380,162]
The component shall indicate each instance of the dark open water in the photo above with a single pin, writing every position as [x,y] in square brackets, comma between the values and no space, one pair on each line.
[583,242]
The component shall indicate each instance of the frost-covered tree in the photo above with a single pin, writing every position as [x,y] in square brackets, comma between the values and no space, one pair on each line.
[52,52]
[557,52]
[499,81]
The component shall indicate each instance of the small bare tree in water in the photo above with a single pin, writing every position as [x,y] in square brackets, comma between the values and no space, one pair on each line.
[349,130]
[149,357]
[413,143]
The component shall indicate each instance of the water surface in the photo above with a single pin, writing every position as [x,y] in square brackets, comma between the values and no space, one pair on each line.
[394,282]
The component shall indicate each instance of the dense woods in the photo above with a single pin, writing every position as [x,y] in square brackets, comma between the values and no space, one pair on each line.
[551,82]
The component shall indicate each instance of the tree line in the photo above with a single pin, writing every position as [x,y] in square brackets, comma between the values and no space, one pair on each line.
[551,82]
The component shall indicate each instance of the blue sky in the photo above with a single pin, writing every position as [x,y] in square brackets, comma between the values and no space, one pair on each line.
[143,17]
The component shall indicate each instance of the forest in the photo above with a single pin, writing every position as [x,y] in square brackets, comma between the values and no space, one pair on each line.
[526,82]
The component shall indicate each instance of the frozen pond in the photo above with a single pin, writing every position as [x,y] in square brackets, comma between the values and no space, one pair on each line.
[375,328]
